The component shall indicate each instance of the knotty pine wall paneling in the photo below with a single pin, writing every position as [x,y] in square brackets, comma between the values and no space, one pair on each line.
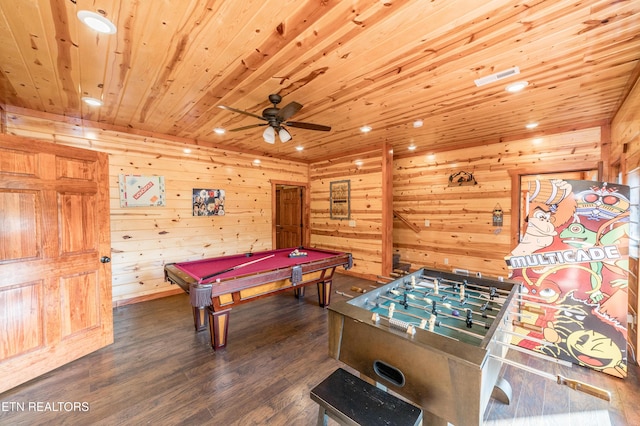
[144,239]
[460,233]
[362,234]
[625,150]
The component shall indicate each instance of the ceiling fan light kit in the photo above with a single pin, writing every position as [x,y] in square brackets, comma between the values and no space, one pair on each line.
[284,135]
[276,118]
[269,135]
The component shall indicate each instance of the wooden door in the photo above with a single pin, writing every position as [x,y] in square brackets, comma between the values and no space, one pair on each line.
[289,217]
[55,292]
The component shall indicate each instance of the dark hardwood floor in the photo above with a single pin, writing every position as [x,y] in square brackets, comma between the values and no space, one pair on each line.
[160,371]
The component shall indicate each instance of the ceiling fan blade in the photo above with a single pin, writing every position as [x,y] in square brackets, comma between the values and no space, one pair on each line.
[308,126]
[251,126]
[241,112]
[288,110]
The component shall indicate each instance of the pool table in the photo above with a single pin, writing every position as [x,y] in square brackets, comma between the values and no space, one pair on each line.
[215,285]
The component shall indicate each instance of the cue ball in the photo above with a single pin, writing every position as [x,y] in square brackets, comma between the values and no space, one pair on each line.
[455,313]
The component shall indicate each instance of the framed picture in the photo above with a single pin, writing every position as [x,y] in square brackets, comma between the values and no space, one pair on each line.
[141,191]
[340,199]
[208,202]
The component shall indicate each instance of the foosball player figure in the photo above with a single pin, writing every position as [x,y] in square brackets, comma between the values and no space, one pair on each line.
[469,318]
[432,322]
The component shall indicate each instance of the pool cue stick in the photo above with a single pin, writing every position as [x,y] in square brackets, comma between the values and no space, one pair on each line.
[561,380]
[242,265]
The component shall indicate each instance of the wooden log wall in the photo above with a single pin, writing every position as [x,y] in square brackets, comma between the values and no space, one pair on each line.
[625,152]
[143,239]
[460,233]
[362,234]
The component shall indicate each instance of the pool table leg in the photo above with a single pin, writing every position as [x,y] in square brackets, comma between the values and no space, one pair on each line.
[324,287]
[324,293]
[218,327]
[200,318]
[299,292]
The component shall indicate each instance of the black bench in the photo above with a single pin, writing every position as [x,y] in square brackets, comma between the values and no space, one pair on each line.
[349,400]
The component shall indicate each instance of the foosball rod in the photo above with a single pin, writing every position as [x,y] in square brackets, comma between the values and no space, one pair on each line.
[447,290]
[462,302]
[424,308]
[500,294]
[438,324]
[448,306]
[445,302]
[466,283]
[535,354]
[525,337]
[546,305]
[561,380]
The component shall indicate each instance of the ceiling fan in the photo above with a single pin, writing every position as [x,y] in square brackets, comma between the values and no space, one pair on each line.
[276,118]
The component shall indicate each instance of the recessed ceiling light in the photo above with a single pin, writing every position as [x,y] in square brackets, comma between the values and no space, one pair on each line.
[365,129]
[186,151]
[517,86]
[219,130]
[256,161]
[531,125]
[417,123]
[96,22]
[358,163]
[412,147]
[92,101]
[299,148]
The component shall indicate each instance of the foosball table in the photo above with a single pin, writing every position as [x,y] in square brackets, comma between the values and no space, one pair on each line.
[434,337]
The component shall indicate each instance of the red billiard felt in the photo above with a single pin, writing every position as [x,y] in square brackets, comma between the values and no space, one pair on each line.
[202,268]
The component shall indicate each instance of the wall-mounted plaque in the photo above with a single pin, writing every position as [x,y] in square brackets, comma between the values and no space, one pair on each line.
[340,199]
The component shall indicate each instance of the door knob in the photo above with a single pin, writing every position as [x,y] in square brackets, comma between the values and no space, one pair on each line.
[105,259]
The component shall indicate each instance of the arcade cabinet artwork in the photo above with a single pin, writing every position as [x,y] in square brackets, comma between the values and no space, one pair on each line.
[573,264]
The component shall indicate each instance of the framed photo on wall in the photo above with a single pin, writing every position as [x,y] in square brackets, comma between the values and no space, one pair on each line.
[141,191]
[208,202]
[340,199]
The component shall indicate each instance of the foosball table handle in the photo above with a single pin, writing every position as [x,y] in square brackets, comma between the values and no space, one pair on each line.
[585,387]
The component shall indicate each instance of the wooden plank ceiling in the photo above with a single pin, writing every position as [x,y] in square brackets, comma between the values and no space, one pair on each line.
[384,64]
